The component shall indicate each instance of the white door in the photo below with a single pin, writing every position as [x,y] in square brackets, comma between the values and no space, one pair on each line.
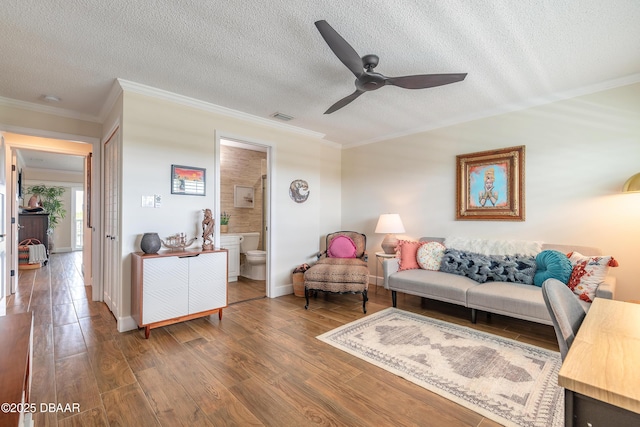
[111,212]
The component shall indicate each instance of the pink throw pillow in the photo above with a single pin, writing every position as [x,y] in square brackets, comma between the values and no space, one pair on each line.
[408,254]
[342,247]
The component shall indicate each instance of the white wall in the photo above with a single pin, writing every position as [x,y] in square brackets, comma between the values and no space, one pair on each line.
[158,133]
[579,152]
[63,234]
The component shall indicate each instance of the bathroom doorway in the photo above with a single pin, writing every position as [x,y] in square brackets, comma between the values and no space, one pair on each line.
[244,201]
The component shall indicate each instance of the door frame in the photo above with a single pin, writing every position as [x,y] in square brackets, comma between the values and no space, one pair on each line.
[270,149]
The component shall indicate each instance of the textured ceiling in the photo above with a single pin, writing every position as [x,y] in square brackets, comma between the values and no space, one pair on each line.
[266,57]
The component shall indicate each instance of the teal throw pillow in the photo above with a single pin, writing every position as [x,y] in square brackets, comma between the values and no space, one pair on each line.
[552,264]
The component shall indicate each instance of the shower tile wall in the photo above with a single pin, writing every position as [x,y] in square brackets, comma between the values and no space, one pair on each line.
[241,167]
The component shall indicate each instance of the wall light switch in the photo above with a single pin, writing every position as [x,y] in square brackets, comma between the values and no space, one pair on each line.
[147,201]
[157,200]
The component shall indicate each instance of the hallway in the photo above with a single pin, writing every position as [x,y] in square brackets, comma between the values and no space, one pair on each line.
[74,354]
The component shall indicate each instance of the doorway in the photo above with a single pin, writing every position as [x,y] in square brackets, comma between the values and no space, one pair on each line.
[41,160]
[244,197]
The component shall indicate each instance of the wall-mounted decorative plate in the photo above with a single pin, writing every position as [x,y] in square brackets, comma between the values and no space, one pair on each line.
[299,190]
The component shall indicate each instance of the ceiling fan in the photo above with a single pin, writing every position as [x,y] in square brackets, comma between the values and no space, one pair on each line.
[366,78]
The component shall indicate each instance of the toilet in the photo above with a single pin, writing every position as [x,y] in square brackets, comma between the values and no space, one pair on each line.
[254,263]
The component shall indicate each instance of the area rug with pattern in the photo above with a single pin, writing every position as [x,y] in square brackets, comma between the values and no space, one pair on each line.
[512,383]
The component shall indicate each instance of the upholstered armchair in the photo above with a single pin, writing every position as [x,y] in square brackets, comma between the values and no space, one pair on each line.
[341,268]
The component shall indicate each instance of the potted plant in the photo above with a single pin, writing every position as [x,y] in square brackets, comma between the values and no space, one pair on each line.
[51,201]
[224,222]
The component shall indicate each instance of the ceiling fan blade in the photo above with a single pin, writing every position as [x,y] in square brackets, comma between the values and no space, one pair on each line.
[423,81]
[344,101]
[341,48]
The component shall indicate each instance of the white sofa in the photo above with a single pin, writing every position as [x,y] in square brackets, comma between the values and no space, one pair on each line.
[507,298]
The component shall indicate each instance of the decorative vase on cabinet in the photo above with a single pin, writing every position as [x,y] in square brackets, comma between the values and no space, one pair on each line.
[150,243]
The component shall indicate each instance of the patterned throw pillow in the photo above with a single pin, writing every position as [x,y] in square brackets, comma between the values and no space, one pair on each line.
[552,264]
[342,247]
[408,254]
[588,272]
[429,255]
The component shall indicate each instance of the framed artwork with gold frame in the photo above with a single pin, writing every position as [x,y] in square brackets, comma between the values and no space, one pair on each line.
[490,185]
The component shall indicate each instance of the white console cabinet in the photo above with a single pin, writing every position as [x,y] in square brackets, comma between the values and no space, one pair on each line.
[171,287]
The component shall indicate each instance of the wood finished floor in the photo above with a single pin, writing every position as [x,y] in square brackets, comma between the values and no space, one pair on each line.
[245,289]
[260,365]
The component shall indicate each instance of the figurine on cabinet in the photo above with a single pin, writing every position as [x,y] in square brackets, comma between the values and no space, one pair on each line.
[207,230]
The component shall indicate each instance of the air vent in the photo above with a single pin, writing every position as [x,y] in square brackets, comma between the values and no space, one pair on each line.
[50,98]
[282,117]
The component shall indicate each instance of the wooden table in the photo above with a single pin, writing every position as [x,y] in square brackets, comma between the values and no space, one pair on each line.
[601,373]
[380,257]
[16,331]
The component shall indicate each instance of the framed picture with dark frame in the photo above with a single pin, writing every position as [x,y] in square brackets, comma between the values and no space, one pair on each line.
[490,185]
[188,181]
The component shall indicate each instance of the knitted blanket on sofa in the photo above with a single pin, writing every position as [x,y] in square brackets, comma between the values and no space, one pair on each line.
[483,268]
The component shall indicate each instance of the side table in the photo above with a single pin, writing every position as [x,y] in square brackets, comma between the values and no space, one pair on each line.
[380,257]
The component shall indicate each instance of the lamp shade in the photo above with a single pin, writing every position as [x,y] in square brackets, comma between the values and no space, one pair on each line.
[632,185]
[389,223]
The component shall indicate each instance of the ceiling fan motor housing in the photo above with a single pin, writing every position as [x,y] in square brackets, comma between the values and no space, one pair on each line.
[369,62]
[370,81]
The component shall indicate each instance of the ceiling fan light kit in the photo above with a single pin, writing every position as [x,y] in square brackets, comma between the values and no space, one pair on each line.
[367,79]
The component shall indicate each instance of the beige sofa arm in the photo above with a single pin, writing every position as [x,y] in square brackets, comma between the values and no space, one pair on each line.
[607,289]
[389,266]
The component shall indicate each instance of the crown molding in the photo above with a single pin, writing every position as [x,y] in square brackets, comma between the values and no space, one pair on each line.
[212,108]
[47,109]
[509,108]
[74,173]
[112,97]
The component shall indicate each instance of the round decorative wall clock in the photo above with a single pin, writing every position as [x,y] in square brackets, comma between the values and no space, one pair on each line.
[299,190]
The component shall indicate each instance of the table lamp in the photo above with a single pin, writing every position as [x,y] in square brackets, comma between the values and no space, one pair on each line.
[389,224]
[632,185]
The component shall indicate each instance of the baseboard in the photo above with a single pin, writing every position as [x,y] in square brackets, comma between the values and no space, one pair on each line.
[376,280]
[57,250]
[280,291]
[126,324]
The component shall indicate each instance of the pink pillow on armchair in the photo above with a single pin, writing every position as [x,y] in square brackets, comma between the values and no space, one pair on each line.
[342,247]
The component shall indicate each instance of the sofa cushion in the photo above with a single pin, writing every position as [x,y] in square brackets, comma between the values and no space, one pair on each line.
[482,268]
[552,264]
[342,247]
[408,251]
[432,284]
[429,255]
[587,273]
[511,299]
